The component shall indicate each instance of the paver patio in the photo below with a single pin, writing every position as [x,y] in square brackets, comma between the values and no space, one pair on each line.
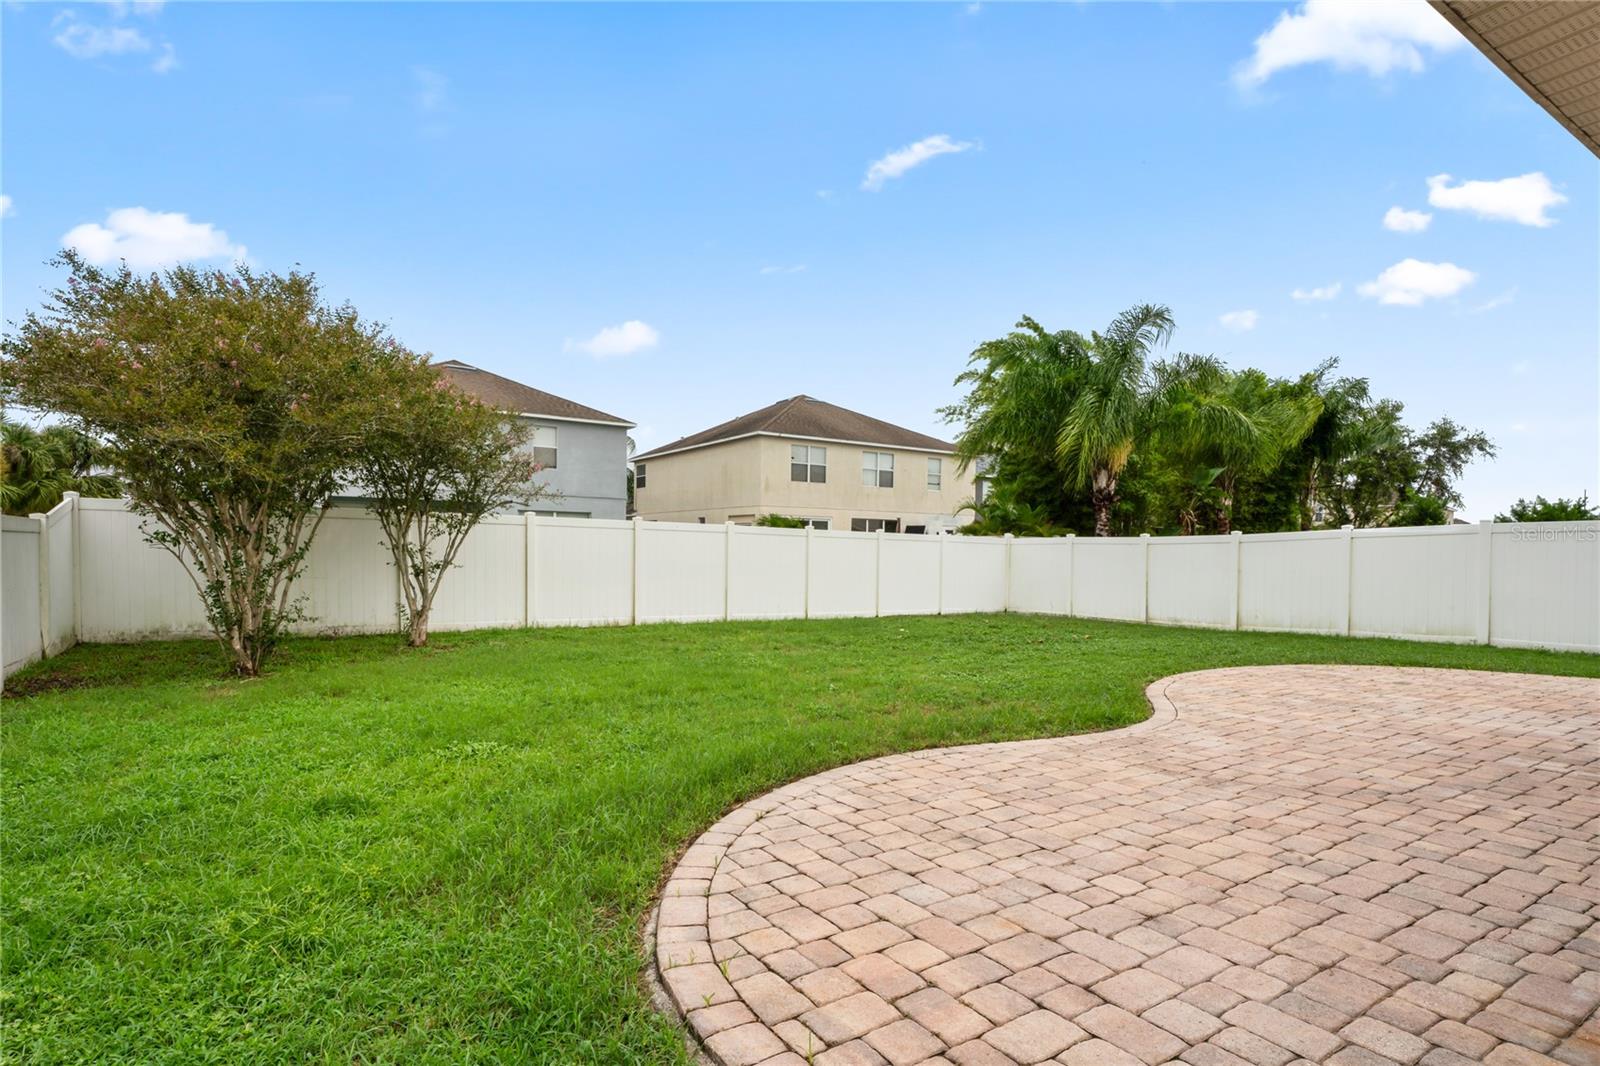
[1345,865]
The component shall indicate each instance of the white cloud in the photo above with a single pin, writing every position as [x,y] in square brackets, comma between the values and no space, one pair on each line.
[1400,220]
[81,40]
[901,160]
[1320,292]
[1240,321]
[797,268]
[1494,302]
[1411,281]
[1522,199]
[150,239]
[94,40]
[1377,36]
[631,336]
[5,206]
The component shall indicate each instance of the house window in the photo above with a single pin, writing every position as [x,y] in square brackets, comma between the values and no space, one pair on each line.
[807,462]
[817,523]
[638,476]
[873,525]
[544,446]
[935,474]
[877,469]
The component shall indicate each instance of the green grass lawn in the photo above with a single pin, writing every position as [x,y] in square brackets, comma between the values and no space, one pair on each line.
[376,854]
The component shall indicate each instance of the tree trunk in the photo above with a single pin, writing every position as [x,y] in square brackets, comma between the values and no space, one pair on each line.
[1225,506]
[1308,495]
[1103,493]
[418,635]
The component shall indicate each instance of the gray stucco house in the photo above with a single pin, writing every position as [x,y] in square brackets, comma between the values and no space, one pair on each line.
[584,452]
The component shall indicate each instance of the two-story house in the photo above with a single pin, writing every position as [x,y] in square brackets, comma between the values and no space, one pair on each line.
[583,452]
[803,458]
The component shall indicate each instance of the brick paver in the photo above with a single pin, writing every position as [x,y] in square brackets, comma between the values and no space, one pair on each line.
[1283,865]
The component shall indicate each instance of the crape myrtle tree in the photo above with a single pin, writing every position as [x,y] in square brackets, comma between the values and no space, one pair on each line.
[228,402]
[433,463]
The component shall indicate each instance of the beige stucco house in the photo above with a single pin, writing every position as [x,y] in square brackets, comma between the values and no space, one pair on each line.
[803,458]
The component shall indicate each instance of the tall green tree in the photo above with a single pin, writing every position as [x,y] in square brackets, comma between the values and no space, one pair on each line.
[1540,509]
[1062,402]
[1443,451]
[229,403]
[1116,406]
[42,465]
[1220,427]
[433,462]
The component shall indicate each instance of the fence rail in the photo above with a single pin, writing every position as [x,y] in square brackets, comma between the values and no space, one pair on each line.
[85,572]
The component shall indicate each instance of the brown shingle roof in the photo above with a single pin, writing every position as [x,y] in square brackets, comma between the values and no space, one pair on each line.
[506,395]
[803,416]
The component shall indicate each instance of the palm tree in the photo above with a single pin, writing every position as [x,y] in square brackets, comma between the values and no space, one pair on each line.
[1221,426]
[1116,404]
[41,465]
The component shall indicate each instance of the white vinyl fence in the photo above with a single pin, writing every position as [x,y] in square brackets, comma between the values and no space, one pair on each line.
[85,572]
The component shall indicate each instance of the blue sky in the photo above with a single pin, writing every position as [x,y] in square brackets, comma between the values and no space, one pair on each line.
[672,212]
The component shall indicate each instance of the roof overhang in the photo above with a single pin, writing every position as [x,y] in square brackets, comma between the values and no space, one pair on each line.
[570,418]
[793,436]
[1550,48]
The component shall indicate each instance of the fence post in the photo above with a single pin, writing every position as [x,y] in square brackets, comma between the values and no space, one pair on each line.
[44,583]
[1349,572]
[727,571]
[1072,584]
[77,565]
[1005,605]
[530,612]
[942,537]
[1144,604]
[1481,632]
[877,577]
[806,608]
[633,573]
[1238,576]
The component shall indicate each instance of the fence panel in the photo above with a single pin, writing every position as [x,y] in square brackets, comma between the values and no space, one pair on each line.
[683,569]
[842,580]
[349,584]
[1544,587]
[582,571]
[1422,583]
[1193,581]
[767,573]
[488,585]
[1295,582]
[19,557]
[908,575]
[1108,578]
[1523,585]
[1041,575]
[974,574]
[62,522]
[132,590]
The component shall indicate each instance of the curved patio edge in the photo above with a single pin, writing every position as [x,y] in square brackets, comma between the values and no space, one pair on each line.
[679,886]
[1053,898]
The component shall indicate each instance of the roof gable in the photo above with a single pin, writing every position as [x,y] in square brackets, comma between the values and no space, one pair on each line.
[503,394]
[805,416]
